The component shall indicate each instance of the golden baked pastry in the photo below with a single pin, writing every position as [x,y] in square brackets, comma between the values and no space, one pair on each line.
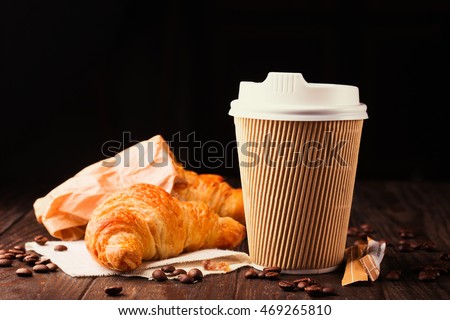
[214,191]
[144,222]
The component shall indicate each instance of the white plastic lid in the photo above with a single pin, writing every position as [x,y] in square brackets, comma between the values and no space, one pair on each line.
[287,96]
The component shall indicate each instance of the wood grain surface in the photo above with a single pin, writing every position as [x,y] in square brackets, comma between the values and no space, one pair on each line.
[387,205]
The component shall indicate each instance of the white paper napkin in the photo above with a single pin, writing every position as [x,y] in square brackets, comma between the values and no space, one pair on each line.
[77,262]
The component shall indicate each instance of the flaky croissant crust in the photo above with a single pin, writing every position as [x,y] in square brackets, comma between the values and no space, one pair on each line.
[144,222]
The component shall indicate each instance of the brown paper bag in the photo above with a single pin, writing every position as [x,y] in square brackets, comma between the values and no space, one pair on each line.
[65,211]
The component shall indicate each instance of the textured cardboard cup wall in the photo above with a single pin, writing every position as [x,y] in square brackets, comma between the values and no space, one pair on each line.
[297,180]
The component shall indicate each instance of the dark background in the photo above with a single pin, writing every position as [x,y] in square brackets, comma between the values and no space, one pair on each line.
[75,75]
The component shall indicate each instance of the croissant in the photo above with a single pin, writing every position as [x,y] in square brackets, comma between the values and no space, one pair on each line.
[144,222]
[214,191]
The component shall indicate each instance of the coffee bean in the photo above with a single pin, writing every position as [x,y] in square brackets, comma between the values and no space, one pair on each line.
[2,251]
[406,247]
[314,290]
[287,285]
[52,267]
[20,256]
[302,285]
[41,240]
[428,275]
[328,291]
[168,269]
[272,269]
[30,260]
[352,231]
[15,251]
[406,233]
[60,247]
[43,261]
[8,255]
[367,228]
[20,247]
[251,274]
[261,274]
[196,274]
[159,275]
[428,246]
[24,272]
[185,278]
[4,263]
[40,268]
[393,275]
[113,291]
[444,257]
[178,272]
[271,275]
[307,280]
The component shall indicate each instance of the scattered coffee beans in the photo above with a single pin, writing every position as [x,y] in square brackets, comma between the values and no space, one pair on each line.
[43,261]
[21,256]
[287,285]
[41,240]
[328,291]
[20,247]
[302,285]
[271,275]
[159,275]
[52,267]
[60,247]
[185,278]
[393,275]
[317,290]
[168,269]
[40,268]
[251,274]
[177,272]
[428,275]
[196,274]
[8,255]
[4,263]
[24,272]
[261,274]
[314,290]
[15,251]
[31,259]
[113,291]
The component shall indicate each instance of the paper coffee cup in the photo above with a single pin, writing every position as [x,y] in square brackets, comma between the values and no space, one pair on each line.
[298,149]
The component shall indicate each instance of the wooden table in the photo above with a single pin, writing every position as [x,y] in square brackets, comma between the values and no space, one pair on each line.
[387,206]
